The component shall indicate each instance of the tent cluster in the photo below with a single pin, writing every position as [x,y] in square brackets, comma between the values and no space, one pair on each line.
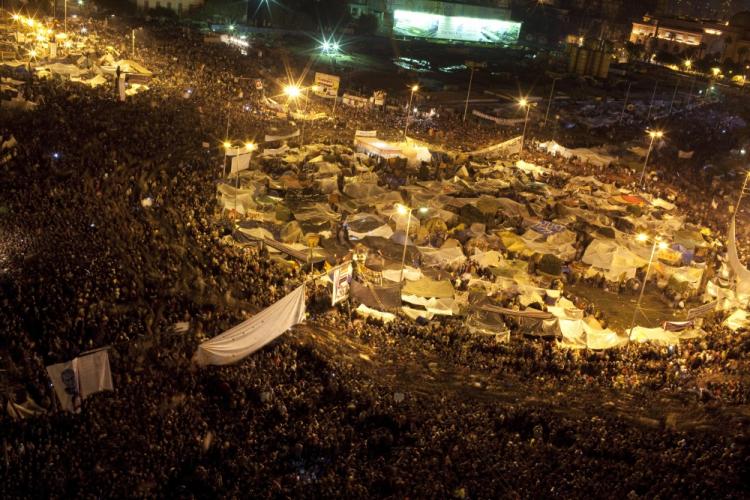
[471,244]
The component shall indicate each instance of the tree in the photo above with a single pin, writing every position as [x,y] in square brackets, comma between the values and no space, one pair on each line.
[116,6]
[367,24]
[635,51]
[664,56]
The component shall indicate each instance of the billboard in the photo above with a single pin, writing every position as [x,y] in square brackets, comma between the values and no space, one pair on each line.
[468,29]
[327,85]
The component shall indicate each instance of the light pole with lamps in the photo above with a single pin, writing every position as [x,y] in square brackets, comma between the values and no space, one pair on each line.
[293,92]
[414,88]
[524,103]
[625,104]
[549,104]
[661,245]
[654,134]
[404,210]
[651,105]
[473,66]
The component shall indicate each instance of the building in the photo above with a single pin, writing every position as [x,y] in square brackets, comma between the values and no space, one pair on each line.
[179,6]
[488,22]
[728,41]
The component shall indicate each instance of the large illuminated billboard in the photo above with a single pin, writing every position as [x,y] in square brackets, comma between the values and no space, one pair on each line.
[468,29]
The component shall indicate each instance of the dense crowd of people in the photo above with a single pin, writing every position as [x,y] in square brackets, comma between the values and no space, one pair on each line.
[86,263]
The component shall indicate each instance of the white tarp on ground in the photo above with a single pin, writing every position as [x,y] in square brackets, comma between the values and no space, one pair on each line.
[80,377]
[579,334]
[738,319]
[742,274]
[368,312]
[249,336]
[532,169]
[555,149]
[442,257]
[491,258]
[658,335]
[410,274]
[612,259]
[445,307]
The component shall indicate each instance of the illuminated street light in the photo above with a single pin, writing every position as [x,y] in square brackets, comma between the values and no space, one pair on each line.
[654,134]
[292,91]
[414,88]
[231,27]
[658,244]
[688,64]
[524,103]
[715,71]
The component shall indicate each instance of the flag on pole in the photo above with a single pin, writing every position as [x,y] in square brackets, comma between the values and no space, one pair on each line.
[80,377]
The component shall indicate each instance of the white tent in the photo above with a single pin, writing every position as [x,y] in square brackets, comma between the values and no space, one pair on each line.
[612,259]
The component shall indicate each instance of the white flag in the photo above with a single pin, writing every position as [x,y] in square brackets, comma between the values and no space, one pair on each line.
[249,336]
[80,377]
[240,163]
[94,374]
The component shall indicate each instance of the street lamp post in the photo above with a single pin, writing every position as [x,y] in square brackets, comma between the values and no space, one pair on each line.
[226,145]
[414,88]
[524,103]
[625,104]
[468,92]
[404,210]
[654,134]
[661,246]
[651,105]
[742,193]
[674,95]
[549,104]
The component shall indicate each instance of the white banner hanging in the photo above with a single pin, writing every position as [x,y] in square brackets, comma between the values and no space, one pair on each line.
[249,336]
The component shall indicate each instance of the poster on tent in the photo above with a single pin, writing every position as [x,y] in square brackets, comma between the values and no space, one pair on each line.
[342,277]
[326,85]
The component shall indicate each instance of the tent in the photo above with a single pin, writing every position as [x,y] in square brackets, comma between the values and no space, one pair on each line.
[615,261]
[377,147]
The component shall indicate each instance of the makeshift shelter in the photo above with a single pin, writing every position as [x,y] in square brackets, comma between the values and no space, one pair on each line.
[613,260]
[377,147]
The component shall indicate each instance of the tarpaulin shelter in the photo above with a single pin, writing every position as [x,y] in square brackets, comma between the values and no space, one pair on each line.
[427,287]
[377,147]
[615,261]
[385,298]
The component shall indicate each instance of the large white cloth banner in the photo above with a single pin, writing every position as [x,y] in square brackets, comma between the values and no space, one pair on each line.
[240,163]
[272,138]
[249,336]
[80,377]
